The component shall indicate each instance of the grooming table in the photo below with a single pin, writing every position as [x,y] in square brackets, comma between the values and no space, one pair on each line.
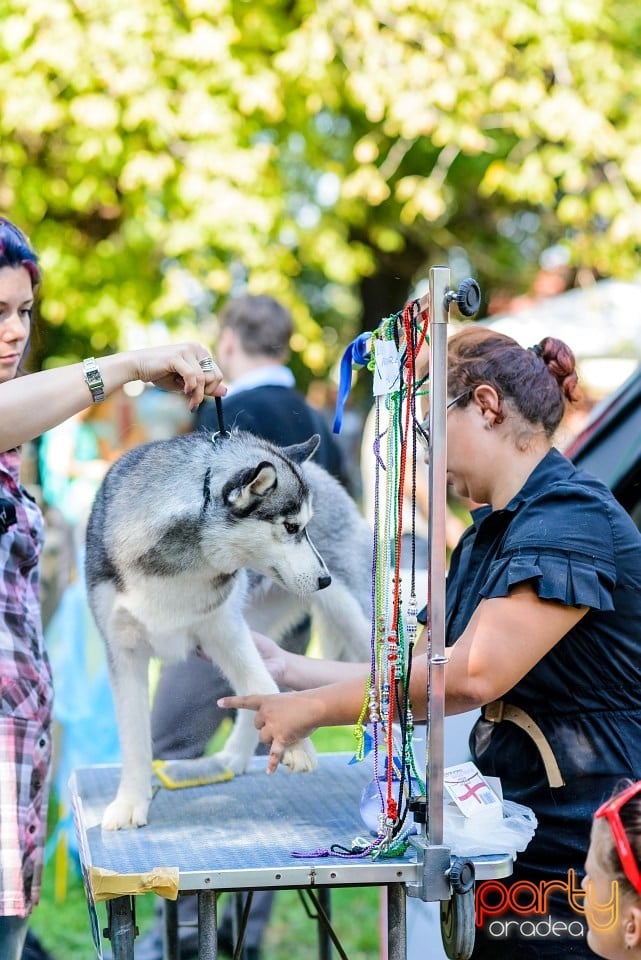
[238,835]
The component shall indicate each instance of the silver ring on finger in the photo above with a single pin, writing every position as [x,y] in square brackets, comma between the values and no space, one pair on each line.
[206,364]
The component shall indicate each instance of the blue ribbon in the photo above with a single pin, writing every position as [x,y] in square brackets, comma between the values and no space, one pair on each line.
[356,353]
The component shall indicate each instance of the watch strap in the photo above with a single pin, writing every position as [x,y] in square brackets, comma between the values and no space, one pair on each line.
[93,379]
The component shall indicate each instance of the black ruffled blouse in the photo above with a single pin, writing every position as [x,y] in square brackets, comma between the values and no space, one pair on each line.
[565,534]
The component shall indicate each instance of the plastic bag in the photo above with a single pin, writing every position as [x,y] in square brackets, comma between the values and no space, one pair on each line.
[467,837]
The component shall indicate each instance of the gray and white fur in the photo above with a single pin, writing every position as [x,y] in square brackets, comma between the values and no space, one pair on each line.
[181,534]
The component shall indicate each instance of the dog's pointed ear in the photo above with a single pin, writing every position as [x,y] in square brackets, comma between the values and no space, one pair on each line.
[300,452]
[244,490]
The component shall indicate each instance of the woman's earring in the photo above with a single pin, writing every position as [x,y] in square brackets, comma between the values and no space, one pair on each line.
[629,927]
[488,425]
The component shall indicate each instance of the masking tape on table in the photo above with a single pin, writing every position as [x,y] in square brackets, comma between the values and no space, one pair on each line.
[106,884]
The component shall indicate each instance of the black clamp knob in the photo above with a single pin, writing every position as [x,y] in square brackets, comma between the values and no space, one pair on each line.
[468,297]
[462,875]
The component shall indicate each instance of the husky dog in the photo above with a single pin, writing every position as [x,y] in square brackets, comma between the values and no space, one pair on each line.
[178,529]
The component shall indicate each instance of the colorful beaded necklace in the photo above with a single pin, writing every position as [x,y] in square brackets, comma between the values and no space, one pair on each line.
[386,705]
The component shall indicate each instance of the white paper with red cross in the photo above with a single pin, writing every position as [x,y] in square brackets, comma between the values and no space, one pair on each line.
[471,792]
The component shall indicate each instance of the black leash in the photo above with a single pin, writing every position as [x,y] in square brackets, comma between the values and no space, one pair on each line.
[221,432]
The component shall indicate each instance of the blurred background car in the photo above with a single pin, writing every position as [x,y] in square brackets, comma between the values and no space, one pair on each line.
[609,444]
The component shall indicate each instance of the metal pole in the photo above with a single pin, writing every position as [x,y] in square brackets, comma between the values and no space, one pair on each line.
[171,950]
[324,942]
[439,280]
[396,922]
[122,930]
[207,925]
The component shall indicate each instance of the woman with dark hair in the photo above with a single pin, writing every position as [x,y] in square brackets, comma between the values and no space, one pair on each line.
[543,606]
[612,882]
[29,405]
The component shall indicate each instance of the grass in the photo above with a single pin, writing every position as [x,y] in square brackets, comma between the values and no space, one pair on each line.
[61,921]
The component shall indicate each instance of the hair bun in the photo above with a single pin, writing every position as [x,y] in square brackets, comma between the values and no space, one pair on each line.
[561,363]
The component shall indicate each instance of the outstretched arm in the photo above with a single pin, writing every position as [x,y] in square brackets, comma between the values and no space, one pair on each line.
[300,672]
[284,718]
[32,404]
[505,638]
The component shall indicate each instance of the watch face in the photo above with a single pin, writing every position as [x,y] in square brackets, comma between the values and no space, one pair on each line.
[93,379]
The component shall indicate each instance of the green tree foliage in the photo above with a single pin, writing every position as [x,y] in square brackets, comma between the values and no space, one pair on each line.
[162,153]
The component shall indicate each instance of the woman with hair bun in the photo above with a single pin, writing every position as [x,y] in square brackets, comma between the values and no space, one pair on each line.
[542,624]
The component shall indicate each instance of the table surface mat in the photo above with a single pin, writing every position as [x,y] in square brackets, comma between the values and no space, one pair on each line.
[251,823]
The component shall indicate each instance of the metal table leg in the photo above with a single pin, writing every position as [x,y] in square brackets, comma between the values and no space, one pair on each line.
[324,942]
[171,950]
[242,903]
[207,925]
[121,928]
[396,922]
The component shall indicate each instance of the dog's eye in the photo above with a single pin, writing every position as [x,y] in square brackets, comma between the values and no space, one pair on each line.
[291,527]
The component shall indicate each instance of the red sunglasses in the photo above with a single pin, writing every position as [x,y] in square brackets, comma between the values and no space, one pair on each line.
[610,810]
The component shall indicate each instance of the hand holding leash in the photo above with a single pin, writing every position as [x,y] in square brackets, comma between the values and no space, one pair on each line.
[34,403]
[185,367]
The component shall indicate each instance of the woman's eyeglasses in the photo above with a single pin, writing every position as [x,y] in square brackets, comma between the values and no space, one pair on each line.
[611,811]
[423,428]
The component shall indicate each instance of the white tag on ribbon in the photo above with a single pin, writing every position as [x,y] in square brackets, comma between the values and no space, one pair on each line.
[386,367]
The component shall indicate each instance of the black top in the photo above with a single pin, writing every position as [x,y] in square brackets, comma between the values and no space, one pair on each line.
[281,415]
[566,535]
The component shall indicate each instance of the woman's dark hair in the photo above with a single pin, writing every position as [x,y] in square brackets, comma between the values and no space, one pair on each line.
[15,251]
[538,381]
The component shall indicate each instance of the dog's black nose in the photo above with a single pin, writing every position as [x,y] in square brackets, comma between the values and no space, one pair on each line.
[324,581]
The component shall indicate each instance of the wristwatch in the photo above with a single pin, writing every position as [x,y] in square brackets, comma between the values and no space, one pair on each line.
[93,379]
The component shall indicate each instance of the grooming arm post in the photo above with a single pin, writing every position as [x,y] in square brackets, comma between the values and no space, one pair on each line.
[437,493]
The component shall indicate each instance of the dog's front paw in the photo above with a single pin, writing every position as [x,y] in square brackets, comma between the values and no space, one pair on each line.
[125,814]
[300,758]
[233,761]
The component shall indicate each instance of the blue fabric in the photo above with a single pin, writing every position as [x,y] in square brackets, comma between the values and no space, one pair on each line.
[356,353]
[13,933]
[571,580]
[566,535]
